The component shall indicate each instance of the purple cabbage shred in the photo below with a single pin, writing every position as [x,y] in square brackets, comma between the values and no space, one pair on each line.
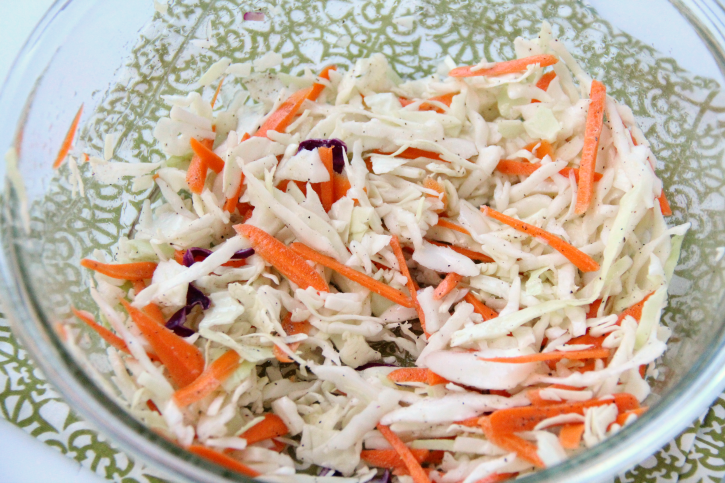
[254,16]
[192,253]
[339,149]
[374,364]
[384,478]
[194,297]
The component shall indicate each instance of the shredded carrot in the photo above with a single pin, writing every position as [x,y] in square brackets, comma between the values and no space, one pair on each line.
[592,131]
[152,406]
[283,258]
[340,186]
[594,309]
[595,353]
[545,80]
[122,271]
[279,446]
[291,328]
[389,458]
[506,440]
[368,282]
[452,226]
[153,310]
[507,67]
[583,262]
[622,418]
[211,159]
[410,283]
[68,140]
[223,460]
[271,427]
[196,173]
[524,168]
[416,374]
[428,106]
[480,308]
[317,88]
[432,184]
[664,204]
[282,117]
[212,377]
[104,333]
[327,188]
[416,471]
[534,395]
[232,202]
[413,153]
[470,422]
[463,251]
[635,310]
[541,149]
[570,435]
[587,339]
[515,420]
[184,361]
[216,92]
[447,285]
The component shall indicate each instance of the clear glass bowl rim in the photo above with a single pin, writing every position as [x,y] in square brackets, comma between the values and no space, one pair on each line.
[673,413]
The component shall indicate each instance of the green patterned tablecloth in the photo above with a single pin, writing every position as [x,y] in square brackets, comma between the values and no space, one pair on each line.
[30,402]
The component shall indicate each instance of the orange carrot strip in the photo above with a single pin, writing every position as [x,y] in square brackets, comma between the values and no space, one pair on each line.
[282,117]
[588,340]
[389,458]
[283,258]
[594,309]
[534,395]
[318,88]
[196,173]
[212,377]
[216,92]
[592,131]
[184,361]
[583,262]
[622,418]
[541,149]
[510,442]
[232,202]
[463,251]
[271,427]
[416,471]
[68,140]
[524,168]
[480,308]
[570,435]
[635,310]
[413,153]
[291,328]
[368,282]
[327,188]
[507,67]
[410,283]
[210,158]
[122,271]
[340,186]
[152,310]
[223,460]
[452,226]
[515,420]
[428,106]
[432,184]
[104,333]
[664,204]
[434,379]
[447,285]
[470,422]
[545,80]
[409,374]
[595,353]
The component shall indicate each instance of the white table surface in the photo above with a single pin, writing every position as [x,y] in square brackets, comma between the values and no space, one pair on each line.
[24,459]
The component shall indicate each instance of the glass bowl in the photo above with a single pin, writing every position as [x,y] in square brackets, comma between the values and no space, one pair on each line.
[117,57]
